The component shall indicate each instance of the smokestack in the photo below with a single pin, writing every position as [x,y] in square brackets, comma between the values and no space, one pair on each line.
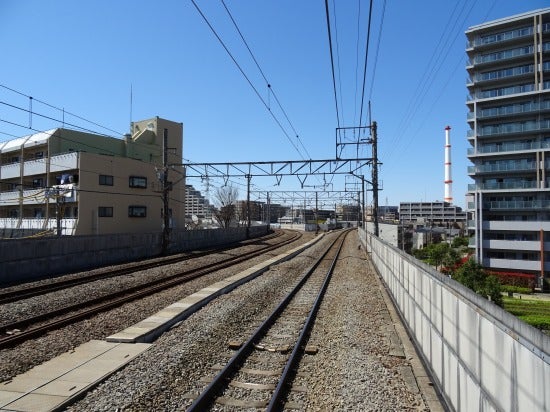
[448,178]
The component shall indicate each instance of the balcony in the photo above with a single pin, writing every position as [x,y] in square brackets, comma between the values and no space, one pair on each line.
[38,196]
[510,128]
[507,147]
[517,225]
[58,163]
[503,167]
[28,197]
[519,245]
[517,205]
[68,225]
[500,37]
[503,186]
[514,265]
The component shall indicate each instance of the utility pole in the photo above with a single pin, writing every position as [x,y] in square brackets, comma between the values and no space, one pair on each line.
[248,178]
[165,189]
[375,178]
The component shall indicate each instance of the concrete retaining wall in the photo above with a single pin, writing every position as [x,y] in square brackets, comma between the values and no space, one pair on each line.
[28,259]
[481,357]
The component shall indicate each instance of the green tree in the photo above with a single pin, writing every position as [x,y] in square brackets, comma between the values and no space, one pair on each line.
[437,253]
[460,241]
[472,275]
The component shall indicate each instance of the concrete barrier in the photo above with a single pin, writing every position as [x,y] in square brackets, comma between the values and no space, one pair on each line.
[31,259]
[481,357]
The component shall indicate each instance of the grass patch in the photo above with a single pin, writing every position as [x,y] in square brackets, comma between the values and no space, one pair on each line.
[533,312]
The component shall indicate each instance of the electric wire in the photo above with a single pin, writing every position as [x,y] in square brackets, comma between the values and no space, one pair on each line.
[339,72]
[269,85]
[57,108]
[365,67]
[433,67]
[332,63]
[30,112]
[246,77]
[376,55]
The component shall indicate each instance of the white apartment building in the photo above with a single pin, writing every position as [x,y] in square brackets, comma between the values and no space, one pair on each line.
[509,136]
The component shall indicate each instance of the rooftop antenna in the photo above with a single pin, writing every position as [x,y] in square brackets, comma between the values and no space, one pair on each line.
[131,104]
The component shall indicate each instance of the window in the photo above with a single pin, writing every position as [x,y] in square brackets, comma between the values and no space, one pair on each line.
[106,180]
[104,211]
[39,155]
[138,182]
[137,211]
[37,182]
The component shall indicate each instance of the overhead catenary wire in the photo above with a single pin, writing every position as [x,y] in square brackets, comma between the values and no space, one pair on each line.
[365,66]
[268,83]
[59,109]
[246,77]
[332,63]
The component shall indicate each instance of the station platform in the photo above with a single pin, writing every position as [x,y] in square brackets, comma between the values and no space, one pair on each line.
[62,380]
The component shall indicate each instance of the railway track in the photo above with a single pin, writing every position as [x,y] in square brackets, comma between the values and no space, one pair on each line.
[23,329]
[267,364]
[26,291]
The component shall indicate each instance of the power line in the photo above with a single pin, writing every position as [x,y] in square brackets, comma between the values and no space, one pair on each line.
[270,87]
[31,112]
[59,109]
[377,51]
[246,77]
[365,67]
[332,63]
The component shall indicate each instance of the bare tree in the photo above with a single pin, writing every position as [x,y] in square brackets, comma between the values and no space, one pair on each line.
[225,200]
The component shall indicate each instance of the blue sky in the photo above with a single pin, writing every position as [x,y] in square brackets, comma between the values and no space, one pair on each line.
[86,56]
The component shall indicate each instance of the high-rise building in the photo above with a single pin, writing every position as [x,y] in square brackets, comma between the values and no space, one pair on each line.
[509,119]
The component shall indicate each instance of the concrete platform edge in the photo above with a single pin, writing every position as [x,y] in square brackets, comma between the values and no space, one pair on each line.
[154,333]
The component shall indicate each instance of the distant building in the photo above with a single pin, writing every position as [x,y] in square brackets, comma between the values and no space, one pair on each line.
[348,213]
[196,205]
[509,137]
[441,214]
[81,183]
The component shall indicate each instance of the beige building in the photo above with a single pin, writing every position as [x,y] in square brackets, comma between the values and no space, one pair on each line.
[82,183]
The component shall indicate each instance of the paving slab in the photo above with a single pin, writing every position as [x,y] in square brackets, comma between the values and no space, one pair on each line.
[63,379]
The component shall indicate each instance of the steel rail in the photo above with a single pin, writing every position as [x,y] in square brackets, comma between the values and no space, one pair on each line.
[207,396]
[28,292]
[118,298]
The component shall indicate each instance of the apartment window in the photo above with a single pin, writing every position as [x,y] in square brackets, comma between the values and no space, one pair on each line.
[104,211]
[138,182]
[38,182]
[106,180]
[15,159]
[39,155]
[137,211]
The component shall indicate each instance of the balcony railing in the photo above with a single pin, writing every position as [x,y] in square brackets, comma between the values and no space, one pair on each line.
[501,37]
[503,167]
[517,204]
[508,147]
[68,225]
[509,128]
[502,186]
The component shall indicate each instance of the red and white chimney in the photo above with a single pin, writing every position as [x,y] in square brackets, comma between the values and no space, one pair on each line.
[448,178]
